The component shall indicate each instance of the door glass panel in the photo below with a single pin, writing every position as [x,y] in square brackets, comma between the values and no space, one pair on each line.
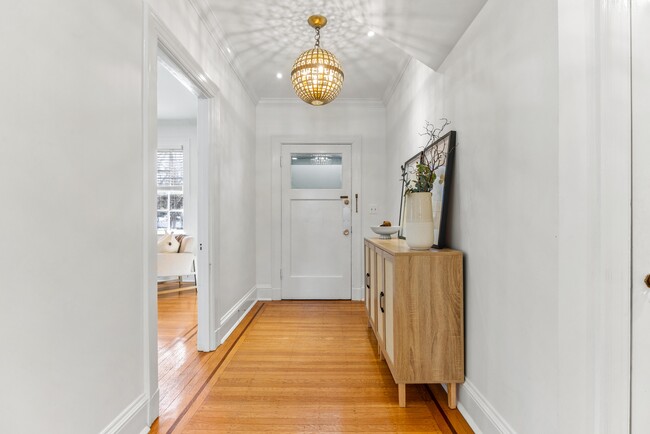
[316,171]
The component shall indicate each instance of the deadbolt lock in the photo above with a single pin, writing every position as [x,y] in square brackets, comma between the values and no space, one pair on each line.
[346,232]
[647,281]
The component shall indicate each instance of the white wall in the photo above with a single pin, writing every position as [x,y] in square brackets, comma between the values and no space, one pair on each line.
[499,87]
[340,118]
[73,350]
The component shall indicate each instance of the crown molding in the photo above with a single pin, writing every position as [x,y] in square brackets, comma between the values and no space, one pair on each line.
[219,37]
[364,102]
[392,87]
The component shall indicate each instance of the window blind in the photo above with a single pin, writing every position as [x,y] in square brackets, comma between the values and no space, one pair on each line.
[170,169]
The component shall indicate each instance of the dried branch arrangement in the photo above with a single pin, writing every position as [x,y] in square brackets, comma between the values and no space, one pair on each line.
[425,170]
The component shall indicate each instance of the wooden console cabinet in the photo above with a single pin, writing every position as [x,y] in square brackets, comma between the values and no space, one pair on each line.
[414,301]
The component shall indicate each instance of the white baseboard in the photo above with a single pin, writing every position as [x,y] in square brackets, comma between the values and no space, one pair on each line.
[131,420]
[478,412]
[153,407]
[233,317]
[268,293]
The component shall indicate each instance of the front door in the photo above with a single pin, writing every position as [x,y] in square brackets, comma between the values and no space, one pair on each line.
[316,222]
[640,217]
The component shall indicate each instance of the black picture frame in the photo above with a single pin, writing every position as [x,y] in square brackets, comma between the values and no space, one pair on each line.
[441,191]
[440,196]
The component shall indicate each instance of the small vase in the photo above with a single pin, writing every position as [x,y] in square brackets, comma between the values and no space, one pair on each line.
[418,224]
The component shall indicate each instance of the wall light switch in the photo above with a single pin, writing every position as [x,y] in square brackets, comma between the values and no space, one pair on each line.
[373,209]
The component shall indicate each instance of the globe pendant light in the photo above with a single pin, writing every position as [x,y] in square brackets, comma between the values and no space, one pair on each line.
[316,75]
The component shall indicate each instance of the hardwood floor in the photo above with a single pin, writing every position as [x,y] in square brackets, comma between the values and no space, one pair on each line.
[293,367]
[177,316]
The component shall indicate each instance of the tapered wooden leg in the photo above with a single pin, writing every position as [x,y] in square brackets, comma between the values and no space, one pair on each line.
[381,355]
[451,395]
[401,393]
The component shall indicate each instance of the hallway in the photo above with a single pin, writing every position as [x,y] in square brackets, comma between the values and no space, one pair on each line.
[296,367]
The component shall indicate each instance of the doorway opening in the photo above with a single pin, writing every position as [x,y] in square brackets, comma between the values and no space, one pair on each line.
[176,209]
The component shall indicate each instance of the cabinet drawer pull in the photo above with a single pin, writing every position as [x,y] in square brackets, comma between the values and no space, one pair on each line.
[381,297]
[368,280]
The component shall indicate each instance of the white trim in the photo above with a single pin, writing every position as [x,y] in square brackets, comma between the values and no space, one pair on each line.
[162,40]
[149,238]
[392,87]
[474,406]
[130,419]
[219,37]
[233,317]
[357,294]
[365,102]
[356,144]
[266,293]
[153,406]
[158,38]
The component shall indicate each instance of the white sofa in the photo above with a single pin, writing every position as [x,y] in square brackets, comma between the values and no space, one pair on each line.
[181,263]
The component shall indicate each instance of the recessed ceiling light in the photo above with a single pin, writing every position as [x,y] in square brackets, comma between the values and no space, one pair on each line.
[279,75]
[371,33]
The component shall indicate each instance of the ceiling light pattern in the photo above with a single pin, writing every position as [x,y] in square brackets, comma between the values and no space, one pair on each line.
[317,76]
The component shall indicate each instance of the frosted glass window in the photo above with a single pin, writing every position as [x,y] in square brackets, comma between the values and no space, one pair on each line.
[316,171]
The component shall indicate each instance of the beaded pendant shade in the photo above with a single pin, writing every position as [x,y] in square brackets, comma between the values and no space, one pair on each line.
[316,75]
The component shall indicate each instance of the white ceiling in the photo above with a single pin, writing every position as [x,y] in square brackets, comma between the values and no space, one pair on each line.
[175,100]
[264,37]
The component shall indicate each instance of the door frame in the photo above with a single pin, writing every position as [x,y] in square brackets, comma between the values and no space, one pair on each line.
[158,39]
[355,143]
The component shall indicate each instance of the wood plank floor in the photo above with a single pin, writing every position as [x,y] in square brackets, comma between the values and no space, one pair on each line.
[294,367]
[177,316]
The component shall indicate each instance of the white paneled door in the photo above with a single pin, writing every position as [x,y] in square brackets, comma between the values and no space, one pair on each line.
[316,222]
[640,217]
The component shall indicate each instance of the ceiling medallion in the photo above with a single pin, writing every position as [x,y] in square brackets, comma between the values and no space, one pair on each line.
[316,75]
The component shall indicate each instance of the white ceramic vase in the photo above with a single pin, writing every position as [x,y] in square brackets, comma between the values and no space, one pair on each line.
[418,224]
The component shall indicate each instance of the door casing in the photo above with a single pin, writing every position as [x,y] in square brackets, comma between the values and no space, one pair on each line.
[276,208]
[159,39]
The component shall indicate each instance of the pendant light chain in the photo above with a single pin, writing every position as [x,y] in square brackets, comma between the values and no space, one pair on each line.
[317,37]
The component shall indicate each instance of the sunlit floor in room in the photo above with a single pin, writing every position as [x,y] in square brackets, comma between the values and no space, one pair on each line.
[290,367]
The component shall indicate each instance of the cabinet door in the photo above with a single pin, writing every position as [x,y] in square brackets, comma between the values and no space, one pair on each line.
[381,311]
[366,278]
[373,286]
[389,293]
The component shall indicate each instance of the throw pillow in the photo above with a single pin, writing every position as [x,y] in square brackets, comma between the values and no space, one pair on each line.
[168,244]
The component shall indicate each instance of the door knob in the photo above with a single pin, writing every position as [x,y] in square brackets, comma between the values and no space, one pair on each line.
[346,232]
[647,281]
[346,201]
